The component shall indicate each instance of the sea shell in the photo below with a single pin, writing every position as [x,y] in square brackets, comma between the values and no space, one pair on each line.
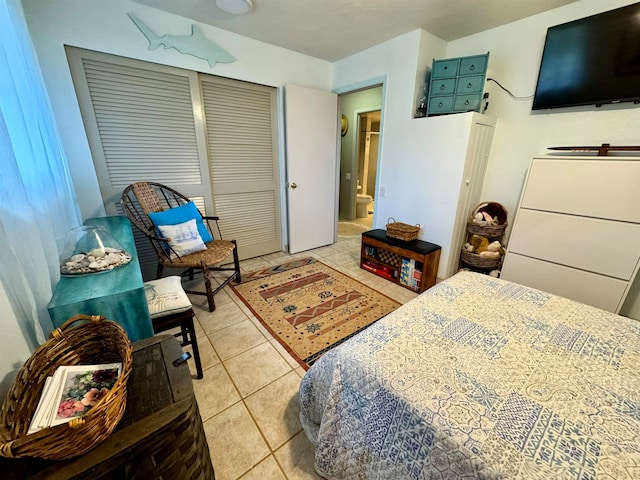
[82,263]
[97,253]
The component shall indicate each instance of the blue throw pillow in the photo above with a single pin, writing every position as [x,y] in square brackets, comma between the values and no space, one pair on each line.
[182,214]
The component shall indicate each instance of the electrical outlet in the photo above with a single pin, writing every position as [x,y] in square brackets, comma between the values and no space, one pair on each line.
[347,176]
[383,191]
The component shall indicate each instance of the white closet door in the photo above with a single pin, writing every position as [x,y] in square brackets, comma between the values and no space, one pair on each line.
[243,161]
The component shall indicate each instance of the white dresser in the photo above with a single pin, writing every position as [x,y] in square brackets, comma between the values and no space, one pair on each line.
[577,229]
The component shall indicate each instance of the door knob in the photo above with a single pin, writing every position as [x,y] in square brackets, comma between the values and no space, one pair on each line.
[293,185]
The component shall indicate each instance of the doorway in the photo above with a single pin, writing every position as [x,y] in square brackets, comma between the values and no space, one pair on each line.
[359,156]
[367,166]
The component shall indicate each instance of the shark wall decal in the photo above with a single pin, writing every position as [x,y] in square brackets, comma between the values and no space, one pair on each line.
[195,44]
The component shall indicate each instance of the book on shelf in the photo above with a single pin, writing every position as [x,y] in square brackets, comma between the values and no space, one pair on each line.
[71,392]
[381,270]
[417,276]
[406,271]
[417,280]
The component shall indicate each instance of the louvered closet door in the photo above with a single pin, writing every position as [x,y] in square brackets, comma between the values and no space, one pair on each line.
[144,121]
[141,124]
[242,149]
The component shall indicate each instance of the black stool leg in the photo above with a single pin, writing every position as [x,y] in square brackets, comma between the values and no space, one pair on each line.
[194,345]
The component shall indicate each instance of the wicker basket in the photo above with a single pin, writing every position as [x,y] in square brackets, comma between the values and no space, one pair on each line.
[80,340]
[402,231]
[489,231]
[475,260]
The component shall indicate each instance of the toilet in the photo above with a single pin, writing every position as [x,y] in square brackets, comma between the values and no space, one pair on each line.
[362,205]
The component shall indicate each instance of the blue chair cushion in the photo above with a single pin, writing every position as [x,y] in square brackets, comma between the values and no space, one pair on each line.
[182,214]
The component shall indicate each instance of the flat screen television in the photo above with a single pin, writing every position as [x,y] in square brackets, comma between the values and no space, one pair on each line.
[591,61]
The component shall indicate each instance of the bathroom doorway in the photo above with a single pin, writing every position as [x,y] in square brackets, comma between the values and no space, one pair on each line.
[361,126]
[367,156]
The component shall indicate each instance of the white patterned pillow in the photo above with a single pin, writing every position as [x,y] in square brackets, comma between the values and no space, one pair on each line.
[166,296]
[183,237]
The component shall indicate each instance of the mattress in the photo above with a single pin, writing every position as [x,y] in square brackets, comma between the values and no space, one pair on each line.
[480,378]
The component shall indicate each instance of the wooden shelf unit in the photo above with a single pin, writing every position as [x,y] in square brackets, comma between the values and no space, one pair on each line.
[413,265]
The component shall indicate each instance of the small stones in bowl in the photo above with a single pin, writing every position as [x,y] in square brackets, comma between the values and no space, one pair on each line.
[96,261]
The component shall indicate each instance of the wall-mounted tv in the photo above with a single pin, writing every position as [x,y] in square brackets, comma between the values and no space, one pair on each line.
[591,61]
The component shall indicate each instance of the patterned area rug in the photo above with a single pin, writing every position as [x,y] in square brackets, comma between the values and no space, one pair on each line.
[310,307]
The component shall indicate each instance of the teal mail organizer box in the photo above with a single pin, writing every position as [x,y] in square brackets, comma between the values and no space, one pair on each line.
[117,294]
[457,85]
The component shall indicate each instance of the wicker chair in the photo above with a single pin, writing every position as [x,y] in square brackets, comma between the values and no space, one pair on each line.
[140,199]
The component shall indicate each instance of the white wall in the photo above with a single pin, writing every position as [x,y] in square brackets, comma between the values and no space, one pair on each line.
[515,55]
[520,134]
[416,168]
[515,52]
[104,26]
[403,60]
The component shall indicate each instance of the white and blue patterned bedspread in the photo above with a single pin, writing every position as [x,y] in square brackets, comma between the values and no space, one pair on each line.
[480,378]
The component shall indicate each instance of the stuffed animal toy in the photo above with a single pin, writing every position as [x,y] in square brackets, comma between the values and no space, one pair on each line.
[484,219]
[479,243]
[494,246]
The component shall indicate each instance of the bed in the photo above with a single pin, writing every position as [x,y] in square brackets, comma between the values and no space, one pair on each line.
[479,378]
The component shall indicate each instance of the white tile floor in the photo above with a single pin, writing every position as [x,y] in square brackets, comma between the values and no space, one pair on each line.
[248,398]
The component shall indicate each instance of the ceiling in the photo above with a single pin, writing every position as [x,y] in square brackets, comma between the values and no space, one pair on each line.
[335,29]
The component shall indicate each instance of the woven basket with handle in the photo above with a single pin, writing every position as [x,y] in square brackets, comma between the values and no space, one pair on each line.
[81,340]
[494,209]
[402,231]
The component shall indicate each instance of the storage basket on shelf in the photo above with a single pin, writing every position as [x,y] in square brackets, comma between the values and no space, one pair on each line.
[477,261]
[489,231]
[402,231]
[81,340]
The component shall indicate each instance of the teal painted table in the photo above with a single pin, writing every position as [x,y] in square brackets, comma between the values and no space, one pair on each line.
[117,294]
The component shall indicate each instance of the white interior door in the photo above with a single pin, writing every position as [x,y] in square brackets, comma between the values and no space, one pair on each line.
[311,125]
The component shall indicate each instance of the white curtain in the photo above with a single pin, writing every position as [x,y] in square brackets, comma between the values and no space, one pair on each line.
[37,201]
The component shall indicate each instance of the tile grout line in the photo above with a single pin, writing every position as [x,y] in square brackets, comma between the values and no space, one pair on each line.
[252,416]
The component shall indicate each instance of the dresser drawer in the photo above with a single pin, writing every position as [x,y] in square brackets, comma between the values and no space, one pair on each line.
[601,246]
[440,105]
[473,65]
[465,103]
[446,86]
[596,290]
[596,188]
[445,68]
[472,84]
